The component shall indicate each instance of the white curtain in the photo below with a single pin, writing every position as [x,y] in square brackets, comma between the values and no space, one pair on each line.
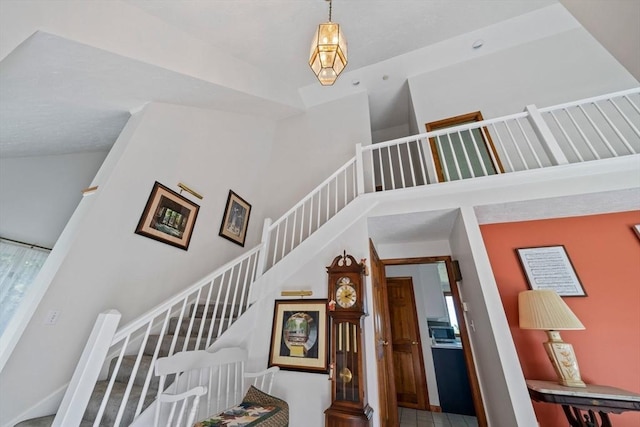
[19,266]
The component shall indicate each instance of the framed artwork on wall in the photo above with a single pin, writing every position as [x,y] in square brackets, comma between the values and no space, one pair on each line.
[236,219]
[299,336]
[549,267]
[168,217]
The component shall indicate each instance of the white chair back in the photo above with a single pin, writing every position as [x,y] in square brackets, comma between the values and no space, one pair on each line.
[195,384]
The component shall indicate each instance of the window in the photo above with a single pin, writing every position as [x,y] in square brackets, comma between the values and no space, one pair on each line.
[452,313]
[19,266]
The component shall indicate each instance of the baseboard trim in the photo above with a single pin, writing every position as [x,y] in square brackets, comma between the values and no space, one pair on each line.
[434,408]
[46,406]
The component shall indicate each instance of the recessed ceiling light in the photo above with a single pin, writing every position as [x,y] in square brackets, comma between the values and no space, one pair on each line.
[477,44]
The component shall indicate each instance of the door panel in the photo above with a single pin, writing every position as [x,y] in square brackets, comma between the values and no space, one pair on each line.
[410,379]
[406,386]
[382,332]
[464,154]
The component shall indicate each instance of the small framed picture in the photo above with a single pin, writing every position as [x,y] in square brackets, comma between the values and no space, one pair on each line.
[236,219]
[168,217]
[299,337]
[549,267]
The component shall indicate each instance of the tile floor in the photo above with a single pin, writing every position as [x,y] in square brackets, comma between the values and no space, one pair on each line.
[415,418]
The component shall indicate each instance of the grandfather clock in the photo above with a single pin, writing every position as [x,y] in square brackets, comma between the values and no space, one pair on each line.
[349,407]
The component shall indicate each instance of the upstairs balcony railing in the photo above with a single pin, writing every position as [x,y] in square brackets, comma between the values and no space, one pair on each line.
[587,130]
[591,129]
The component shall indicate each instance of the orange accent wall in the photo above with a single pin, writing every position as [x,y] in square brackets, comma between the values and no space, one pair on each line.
[605,253]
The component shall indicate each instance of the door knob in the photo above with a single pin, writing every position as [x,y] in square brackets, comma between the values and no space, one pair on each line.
[414,342]
[385,342]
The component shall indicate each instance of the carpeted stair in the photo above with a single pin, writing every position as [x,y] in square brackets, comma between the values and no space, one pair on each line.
[128,362]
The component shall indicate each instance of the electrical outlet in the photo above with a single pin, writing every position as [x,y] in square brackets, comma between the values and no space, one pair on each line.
[52,317]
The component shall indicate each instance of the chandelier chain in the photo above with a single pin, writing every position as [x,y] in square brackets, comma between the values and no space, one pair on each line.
[330,4]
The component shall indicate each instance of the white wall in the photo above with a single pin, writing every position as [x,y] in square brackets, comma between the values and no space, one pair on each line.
[388,134]
[501,380]
[615,24]
[310,146]
[108,266]
[562,68]
[427,287]
[39,194]
[413,249]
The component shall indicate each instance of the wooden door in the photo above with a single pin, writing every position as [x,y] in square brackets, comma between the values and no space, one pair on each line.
[464,154]
[382,331]
[411,382]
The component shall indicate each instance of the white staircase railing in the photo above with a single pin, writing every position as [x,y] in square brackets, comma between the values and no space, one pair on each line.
[191,320]
[310,213]
[591,129]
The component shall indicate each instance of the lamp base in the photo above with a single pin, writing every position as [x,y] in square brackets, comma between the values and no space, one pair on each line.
[563,360]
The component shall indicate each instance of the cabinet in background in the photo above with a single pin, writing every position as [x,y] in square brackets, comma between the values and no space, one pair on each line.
[453,382]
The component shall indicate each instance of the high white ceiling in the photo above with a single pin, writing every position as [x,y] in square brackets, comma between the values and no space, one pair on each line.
[60,96]
[273,33]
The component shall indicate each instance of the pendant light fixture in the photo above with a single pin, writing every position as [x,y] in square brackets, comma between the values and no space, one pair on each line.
[328,52]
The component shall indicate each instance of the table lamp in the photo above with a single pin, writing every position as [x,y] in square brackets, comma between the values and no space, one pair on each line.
[545,310]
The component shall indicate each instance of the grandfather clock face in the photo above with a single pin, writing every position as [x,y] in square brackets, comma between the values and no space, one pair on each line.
[345,288]
[346,294]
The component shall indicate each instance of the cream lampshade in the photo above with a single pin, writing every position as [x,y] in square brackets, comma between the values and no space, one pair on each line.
[545,310]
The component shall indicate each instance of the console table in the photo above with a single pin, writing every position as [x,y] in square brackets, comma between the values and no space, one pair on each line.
[591,399]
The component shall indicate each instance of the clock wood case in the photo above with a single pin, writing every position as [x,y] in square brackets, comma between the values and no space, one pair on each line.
[349,407]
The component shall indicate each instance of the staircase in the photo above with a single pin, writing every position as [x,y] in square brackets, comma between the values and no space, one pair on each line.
[182,334]
[534,139]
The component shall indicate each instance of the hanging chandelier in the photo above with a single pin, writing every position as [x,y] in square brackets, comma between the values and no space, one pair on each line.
[328,52]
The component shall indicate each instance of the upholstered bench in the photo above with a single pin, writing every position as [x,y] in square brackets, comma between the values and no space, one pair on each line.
[257,409]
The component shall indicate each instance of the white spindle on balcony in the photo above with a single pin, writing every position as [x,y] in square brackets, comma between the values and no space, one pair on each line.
[597,128]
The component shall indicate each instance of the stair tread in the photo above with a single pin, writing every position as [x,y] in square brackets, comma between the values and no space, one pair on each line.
[127,365]
[117,392]
[184,326]
[165,346]
[222,308]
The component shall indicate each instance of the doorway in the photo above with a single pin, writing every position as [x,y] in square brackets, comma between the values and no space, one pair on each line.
[406,345]
[465,353]
[464,154]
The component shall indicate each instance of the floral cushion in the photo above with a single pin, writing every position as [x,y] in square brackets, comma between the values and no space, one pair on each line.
[257,409]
